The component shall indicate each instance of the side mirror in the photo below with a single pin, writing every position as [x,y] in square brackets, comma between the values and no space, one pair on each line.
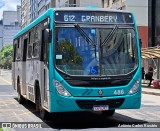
[47,35]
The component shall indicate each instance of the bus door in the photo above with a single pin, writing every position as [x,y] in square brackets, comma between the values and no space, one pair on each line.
[18,63]
[45,64]
[29,66]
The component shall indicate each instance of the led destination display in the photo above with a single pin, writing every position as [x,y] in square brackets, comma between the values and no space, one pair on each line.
[93,17]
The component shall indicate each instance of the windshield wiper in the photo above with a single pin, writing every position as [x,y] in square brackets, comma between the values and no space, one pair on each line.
[109,35]
[84,35]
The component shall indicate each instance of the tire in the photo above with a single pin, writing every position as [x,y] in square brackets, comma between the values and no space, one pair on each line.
[42,112]
[108,113]
[21,99]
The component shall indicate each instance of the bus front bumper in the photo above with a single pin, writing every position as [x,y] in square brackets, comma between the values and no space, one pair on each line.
[71,104]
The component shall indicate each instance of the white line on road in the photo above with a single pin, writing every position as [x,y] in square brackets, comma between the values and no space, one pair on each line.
[6,81]
[7,95]
[14,113]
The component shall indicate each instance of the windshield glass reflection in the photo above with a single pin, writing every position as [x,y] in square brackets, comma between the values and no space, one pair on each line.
[76,55]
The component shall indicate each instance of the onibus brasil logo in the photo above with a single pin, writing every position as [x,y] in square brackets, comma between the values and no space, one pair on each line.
[6,127]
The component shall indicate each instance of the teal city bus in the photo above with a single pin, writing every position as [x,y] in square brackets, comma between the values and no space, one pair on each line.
[79,59]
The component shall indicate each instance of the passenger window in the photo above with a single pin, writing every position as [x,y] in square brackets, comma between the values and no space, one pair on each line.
[14,51]
[29,51]
[36,50]
[18,53]
[45,47]
[32,39]
[25,49]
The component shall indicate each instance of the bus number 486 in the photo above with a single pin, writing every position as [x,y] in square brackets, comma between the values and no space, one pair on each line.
[119,92]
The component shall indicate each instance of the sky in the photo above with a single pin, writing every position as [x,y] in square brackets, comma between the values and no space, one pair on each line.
[8,5]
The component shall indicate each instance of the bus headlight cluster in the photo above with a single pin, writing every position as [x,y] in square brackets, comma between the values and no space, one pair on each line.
[60,89]
[134,88]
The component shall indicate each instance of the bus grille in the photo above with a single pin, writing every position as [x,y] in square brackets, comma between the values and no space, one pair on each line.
[88,104]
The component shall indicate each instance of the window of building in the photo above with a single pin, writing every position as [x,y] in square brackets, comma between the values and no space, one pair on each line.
[72,3]
[115,1]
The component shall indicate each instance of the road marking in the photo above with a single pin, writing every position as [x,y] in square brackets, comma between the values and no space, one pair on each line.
[7,95]
[6,81]
[8,101]
[10,110]
[14,113]
[24,113]
[6,104]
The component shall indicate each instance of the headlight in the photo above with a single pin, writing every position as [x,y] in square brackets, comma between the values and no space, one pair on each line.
[134,88]
[60,89]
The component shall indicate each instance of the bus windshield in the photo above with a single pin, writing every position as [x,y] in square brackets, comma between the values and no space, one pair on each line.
[96,51]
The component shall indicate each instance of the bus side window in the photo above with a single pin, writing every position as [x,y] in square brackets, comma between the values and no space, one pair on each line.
[36,50]
[14,51]
[25,49]
[18,50]
[45,49]
[29,45]
[29,51]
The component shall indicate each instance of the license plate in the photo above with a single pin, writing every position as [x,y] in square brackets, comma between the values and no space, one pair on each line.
[100,107]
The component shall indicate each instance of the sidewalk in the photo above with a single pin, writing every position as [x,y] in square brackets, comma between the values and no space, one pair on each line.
[150,90]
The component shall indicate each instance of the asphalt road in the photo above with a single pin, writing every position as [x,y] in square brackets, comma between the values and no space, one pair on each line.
[12,111]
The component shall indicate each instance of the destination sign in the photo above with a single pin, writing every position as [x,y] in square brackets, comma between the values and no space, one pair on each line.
[93,17]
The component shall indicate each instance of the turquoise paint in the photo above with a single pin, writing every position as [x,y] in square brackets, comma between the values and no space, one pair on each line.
[139,72]
[60,103]
[67,104]
[92,7]
[35,22]
[92,91]
[51,62]
[81,93]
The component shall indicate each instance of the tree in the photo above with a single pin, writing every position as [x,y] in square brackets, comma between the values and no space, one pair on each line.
[6,57]
[69,53]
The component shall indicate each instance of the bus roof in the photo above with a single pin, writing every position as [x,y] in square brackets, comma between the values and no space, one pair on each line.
[51,10]
[33,23]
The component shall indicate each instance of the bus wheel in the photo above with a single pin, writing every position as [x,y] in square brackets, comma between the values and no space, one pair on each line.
[42,112]
[21,99]
[108,113]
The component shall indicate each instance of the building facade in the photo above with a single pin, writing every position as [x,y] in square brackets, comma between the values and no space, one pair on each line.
[139,9]
[19,14]
[11,25]
[43,5]
[1,35]
[154,22]
[31,9]
[148,18]
[25,13]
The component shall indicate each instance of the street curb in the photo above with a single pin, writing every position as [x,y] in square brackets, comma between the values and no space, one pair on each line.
[151,93]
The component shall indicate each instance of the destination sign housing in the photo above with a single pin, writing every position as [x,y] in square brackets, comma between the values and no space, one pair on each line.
[93,17]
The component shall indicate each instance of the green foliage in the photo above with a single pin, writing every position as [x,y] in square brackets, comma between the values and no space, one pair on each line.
[69,53]
[6,57]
